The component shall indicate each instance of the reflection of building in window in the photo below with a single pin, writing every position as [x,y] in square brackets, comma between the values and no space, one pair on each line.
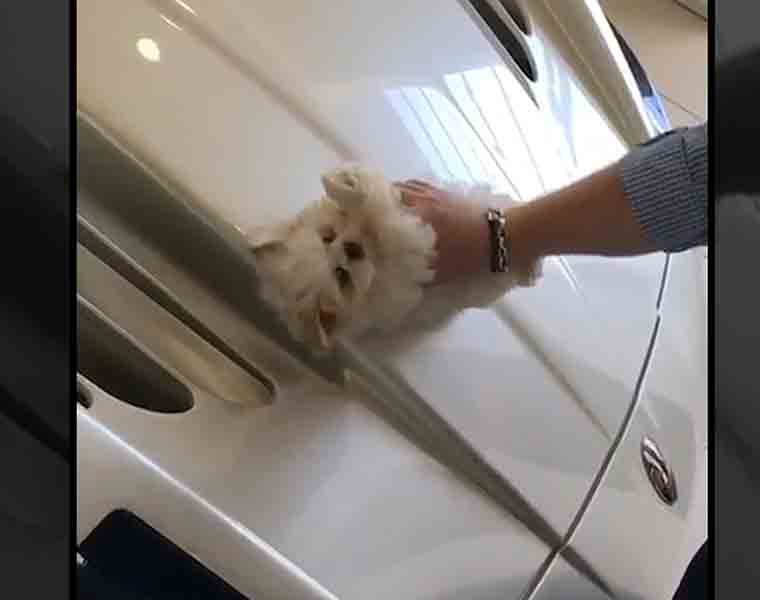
[586,138]
[486,130]
[558,96]
[475,141]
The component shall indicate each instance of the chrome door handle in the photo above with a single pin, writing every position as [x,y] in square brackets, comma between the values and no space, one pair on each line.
[659,473]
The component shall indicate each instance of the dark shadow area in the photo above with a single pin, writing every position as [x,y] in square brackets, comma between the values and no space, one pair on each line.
[35,301]
[119,366]
[125,558]
[736,447]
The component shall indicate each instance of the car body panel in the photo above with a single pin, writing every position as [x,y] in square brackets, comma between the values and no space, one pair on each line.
[562,581]
[321,480]
[134,482]
[671,410]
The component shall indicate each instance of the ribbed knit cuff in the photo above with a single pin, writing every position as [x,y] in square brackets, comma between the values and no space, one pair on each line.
[666,182]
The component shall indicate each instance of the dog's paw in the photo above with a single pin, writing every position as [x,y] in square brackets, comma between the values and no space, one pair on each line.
[347,185]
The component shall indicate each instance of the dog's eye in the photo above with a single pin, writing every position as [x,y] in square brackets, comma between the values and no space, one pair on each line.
[343,277]
[328,235]
[353,250]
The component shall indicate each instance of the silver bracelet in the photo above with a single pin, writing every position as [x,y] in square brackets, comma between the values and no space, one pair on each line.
[499,234]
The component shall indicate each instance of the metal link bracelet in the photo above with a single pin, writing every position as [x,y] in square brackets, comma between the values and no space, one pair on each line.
[499,234]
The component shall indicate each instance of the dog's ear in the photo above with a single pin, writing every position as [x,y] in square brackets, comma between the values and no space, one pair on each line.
[345,187]
[267,239]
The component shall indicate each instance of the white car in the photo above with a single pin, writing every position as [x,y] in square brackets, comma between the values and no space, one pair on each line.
[553,446]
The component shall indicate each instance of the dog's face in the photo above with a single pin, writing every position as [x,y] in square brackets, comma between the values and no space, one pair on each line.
[319,267]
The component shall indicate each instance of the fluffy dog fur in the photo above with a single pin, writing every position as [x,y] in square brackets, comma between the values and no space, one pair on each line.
[357,261]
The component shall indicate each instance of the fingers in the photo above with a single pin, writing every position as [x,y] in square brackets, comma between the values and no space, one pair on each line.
[417,194]
[416,184]
[417,190]
[409,194]
[420,183]
[410,188]
[407,198]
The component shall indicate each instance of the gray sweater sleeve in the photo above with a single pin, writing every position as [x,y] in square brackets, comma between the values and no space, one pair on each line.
[666,182]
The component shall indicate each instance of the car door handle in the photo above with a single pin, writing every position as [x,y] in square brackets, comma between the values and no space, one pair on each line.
[659,473]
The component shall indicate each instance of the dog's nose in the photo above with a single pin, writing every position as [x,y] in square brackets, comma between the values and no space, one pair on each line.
[353,250]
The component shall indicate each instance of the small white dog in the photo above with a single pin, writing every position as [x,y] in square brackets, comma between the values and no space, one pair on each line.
[356,261]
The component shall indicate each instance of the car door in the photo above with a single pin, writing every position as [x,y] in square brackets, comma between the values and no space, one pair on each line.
[383,469]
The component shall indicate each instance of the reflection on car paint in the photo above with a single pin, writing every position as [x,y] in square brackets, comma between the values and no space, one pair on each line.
[485,127]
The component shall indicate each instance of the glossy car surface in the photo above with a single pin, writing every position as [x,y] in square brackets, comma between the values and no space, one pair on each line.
[497,457]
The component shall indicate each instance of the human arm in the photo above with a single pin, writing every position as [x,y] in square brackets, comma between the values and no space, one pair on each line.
[655,198]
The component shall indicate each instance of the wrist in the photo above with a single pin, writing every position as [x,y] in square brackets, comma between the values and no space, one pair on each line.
[522,252]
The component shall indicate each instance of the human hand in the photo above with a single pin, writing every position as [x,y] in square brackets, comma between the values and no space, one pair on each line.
[462,237]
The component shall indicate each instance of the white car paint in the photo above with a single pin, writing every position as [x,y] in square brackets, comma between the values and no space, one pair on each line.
[248,103]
